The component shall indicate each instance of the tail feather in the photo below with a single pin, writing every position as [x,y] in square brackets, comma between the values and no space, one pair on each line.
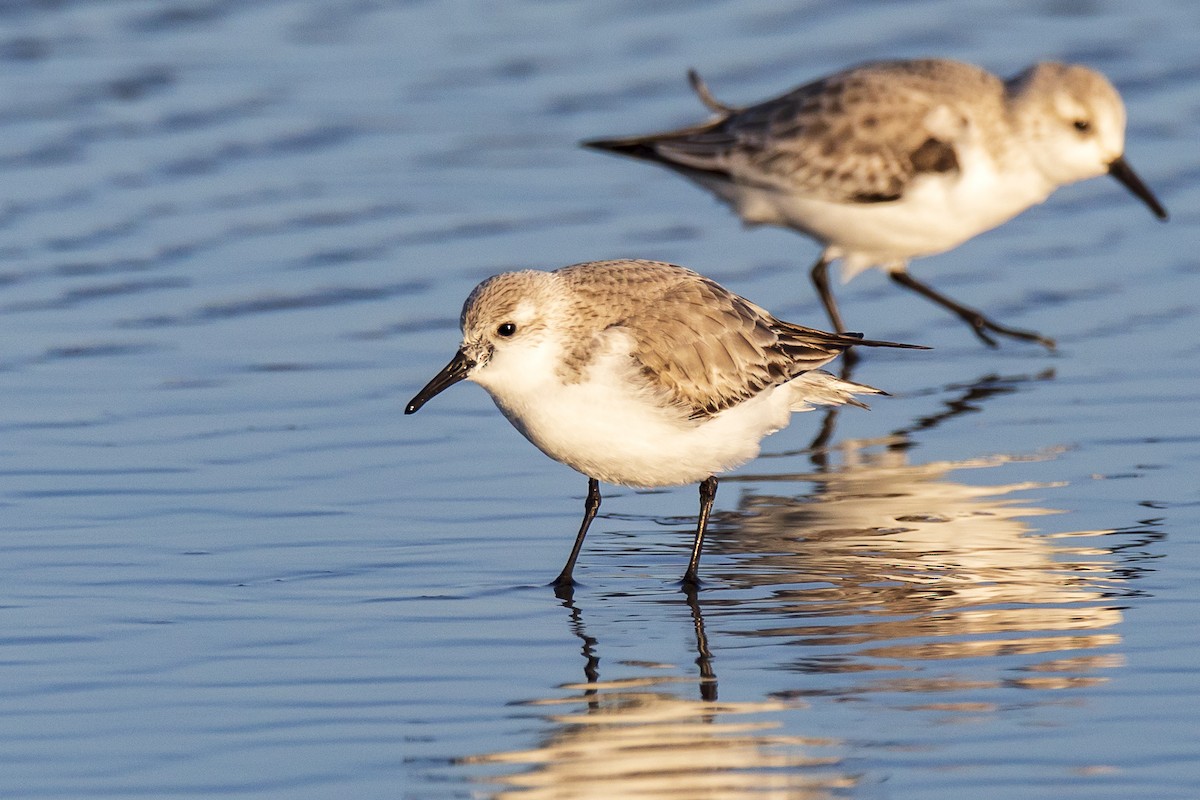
[883,343]
[820,388]
[634,147]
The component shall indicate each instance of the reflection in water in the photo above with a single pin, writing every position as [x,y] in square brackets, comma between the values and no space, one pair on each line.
[893,566]
[888,580]
[636,738]
[965,400]
[639,737]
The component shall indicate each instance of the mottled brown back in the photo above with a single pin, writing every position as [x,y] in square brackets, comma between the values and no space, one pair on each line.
[706,347]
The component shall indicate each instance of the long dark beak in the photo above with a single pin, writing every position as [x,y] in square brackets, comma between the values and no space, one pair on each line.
[451,374]
[1121,170]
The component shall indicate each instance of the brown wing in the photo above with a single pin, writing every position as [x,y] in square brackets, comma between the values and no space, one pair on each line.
[703,347]
[856,136]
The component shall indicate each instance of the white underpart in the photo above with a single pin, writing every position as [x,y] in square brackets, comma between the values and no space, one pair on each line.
[606,428]
[938,212]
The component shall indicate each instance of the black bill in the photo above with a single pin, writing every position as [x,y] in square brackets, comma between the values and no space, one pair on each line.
[1121,170]
[451,374]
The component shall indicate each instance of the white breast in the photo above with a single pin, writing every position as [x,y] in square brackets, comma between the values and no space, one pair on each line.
[936,213]
[604,427]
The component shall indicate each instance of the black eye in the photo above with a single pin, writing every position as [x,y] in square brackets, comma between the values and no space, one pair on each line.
[506,329]
[1083,125]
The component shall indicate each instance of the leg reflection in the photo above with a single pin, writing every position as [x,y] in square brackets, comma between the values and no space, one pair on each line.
[708,678]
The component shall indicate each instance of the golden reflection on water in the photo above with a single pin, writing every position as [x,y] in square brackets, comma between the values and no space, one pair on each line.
[640,737]
[889,565]
[890,579]
[637,738]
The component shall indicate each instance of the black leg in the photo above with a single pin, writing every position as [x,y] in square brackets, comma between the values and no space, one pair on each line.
[590,506]
[708,491]
[820,279]
[978,322]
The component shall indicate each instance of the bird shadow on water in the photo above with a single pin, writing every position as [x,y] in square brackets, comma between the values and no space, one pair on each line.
[888,582]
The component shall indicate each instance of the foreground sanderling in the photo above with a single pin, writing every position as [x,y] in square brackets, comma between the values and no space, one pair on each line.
[641,374]
[892,160]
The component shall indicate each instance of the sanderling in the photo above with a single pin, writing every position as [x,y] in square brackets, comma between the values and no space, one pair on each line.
[641,374]
[896,159]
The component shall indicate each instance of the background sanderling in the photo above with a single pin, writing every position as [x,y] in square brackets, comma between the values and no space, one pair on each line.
[892,160]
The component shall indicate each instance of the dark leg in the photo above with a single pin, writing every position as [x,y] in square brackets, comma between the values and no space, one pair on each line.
[978,322]
[708,491]
[590,506]
[820,279]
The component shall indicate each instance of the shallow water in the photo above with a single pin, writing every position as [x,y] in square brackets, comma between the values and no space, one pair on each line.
[235,240]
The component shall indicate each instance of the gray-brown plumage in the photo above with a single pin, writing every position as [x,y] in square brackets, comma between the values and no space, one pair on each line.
[692,340]
[640,373]
[856,136]
[708,347]
[892,160]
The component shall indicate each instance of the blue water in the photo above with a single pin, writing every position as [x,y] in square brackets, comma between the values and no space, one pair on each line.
[235,239]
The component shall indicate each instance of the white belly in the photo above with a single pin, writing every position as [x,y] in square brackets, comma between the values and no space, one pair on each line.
[611,427]
[935,214]
[617,438]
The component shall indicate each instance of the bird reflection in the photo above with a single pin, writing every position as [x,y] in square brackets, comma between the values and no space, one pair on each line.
[883,578]
[890,565]
[708,677]
[591,670]
[639,736]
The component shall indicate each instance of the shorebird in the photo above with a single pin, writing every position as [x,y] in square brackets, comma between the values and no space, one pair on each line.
[640,373]
[891,160]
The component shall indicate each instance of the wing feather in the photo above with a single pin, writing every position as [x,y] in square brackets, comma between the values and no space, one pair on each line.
[861,135]
[695,343]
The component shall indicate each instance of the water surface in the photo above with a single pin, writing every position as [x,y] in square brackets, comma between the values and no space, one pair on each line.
[235,239]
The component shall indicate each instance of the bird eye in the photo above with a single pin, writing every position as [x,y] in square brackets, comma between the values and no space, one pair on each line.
[506,329]
[1083,125]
